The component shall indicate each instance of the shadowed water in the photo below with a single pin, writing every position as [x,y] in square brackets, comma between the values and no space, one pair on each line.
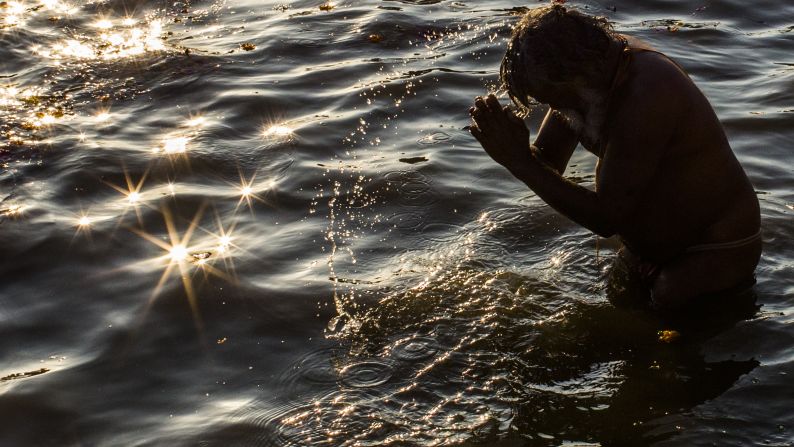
[264,223]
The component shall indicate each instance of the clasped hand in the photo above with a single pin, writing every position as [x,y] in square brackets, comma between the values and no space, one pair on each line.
[502,134]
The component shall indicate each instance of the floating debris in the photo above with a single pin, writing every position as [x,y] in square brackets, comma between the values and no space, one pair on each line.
[24,375]
[413,160]
[222,340]
[668,336]
[248,46]
[200,257]
[375,38]
[327,6]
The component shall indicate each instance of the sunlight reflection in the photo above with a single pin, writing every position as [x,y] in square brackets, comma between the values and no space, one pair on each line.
[195,121]
[223,243]
[133,197]
[178,253]
[184,254]
[246,192]
[175,145]
[278,131]
[13,210]
[12,14]
[84,221]
[102,116]
[103,24]
[131,192]
[175,256]
[83,224]
[111,43]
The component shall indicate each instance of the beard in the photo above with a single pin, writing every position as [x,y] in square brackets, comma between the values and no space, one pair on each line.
[589,124]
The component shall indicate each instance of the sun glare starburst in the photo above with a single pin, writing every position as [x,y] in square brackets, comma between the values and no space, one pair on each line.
[131,192]
[185,254]
[175,145]
[103,24]
[278,130]
[195,121]
[223,243]
[102,116]
[178,253]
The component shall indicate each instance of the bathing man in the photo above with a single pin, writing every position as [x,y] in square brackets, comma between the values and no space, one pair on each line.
[667,182]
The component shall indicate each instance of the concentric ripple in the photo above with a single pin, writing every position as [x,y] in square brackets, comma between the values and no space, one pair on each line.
[414,348]
[366,374]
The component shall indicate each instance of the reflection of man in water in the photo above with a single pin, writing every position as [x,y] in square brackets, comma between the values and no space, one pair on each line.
[667,182]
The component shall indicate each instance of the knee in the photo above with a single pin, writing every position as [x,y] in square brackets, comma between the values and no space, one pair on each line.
[668,293]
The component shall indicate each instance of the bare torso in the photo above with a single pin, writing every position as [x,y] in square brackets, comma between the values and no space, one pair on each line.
[698,192]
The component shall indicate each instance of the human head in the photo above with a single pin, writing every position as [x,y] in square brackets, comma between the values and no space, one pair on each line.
[554,50]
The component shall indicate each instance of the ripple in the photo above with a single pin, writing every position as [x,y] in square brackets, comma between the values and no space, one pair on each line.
[434,138]
[406,220]
[314,370]
[366,374]
[331,419]
[415,188]
[440,232]
[414,348]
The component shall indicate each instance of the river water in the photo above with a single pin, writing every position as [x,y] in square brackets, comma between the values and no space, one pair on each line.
[263,223]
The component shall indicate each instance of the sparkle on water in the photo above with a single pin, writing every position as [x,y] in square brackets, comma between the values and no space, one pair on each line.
[278,130]
[102,116]
[178,253]
[112,42]
[187,254]
[133,197]
[195,121]
[175,145]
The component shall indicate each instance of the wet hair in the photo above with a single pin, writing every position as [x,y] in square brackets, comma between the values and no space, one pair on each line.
[556,44]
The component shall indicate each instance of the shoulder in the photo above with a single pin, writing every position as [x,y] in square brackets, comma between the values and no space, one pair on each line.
[653,98]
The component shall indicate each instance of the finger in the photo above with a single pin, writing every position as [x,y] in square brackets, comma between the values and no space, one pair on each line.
[478,113]
[511,115]
[476,132]
[493,103]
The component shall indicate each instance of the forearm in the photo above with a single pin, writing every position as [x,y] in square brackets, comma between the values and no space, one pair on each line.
[579,204]
[555,142]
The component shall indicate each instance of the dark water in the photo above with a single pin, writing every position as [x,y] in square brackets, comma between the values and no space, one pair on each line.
[262,223]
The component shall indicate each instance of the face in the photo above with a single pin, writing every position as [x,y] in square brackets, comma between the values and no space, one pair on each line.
[559,95]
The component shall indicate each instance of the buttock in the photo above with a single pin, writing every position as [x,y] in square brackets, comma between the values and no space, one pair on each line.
[738,243]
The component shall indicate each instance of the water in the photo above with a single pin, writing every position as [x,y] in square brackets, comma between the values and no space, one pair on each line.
[262,223]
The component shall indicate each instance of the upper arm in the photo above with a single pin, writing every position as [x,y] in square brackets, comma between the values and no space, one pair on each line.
[556,141]
[639,136]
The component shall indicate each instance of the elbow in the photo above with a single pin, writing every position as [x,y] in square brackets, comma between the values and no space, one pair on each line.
[604,232]
[608,223]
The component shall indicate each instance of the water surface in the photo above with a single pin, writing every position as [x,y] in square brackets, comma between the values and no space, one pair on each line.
[263,223]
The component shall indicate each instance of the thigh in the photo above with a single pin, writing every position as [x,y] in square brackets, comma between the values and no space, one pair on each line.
[704,272]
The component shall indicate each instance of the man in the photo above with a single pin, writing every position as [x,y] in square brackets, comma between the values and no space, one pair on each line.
[667,181]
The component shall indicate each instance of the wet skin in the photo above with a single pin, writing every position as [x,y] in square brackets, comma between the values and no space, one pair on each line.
[666,178]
